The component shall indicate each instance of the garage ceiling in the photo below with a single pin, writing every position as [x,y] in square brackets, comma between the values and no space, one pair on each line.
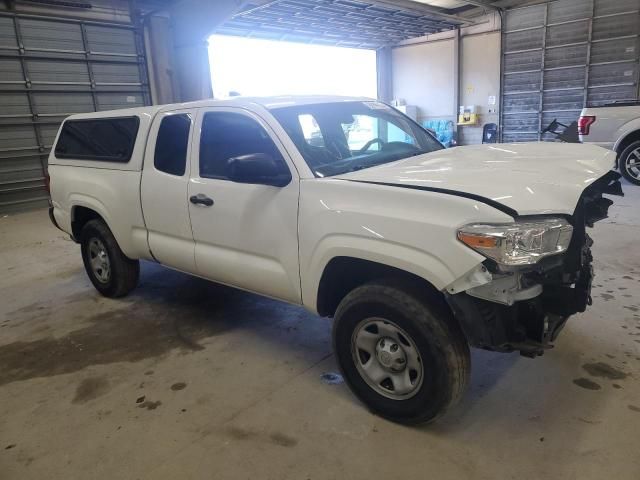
[350,23]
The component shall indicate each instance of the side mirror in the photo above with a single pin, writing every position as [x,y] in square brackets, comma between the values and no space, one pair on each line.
[257,168]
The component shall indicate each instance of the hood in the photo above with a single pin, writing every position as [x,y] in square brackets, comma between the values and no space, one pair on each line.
[530,178]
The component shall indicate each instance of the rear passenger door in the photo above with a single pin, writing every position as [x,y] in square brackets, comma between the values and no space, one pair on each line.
[165,179]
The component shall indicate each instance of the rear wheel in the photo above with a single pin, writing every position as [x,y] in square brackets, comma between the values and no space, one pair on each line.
[400,352]
[112,273]
[629,163]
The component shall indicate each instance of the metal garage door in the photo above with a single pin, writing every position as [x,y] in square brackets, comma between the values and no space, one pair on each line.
[50,68]
[561,56]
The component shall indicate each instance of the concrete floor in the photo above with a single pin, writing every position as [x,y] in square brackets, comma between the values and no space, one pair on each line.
[190,380]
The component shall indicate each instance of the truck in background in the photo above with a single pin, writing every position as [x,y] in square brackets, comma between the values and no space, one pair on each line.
[615,127]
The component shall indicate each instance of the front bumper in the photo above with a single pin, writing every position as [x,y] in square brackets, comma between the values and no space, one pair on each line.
[530,326]
[525,326]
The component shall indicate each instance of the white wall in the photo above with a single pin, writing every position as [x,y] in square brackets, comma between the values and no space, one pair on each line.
[423,75]
[479,80]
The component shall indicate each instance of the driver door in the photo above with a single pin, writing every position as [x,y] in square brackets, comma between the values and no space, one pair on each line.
[245,234]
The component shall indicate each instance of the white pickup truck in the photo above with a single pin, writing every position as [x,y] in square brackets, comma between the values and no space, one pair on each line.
[416,251]
[616,127]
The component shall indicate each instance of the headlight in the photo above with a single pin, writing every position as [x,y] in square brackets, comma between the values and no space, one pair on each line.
[519,243]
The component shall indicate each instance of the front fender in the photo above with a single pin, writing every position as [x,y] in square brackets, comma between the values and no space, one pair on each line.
[407,229]
[403,257]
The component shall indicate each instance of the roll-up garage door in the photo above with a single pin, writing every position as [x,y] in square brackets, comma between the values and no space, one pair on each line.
[560,56]
[51,68]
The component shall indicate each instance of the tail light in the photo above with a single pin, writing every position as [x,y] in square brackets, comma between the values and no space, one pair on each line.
[584,122]
[47,183]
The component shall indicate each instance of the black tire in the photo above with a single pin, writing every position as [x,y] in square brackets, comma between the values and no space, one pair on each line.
[622,163]
[123,271]
[443,349]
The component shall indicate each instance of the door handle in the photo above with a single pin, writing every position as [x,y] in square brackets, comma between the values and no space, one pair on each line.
[201,199]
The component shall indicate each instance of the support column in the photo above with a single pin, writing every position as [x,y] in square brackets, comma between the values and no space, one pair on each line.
[456,81]
[192,71]
[160,64]
[384,73]
[193,22]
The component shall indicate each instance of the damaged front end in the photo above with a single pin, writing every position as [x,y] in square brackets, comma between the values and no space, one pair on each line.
[524,307]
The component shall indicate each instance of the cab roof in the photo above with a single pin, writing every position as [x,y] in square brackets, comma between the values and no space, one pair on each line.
[265,102]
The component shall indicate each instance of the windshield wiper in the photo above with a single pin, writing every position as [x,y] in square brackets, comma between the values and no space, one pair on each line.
[361,166]
[421,152]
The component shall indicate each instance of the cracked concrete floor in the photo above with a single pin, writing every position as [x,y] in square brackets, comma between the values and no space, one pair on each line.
[186,379]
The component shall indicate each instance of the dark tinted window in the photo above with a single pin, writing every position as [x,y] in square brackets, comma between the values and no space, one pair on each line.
[106,139]
[227,135]
[171,145]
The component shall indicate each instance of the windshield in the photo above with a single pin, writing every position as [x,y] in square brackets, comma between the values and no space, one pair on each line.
[336,138]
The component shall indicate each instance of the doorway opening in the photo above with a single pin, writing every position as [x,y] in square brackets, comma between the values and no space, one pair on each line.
[256,67]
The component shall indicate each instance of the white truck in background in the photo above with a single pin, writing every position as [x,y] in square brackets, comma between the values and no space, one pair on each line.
[615,127]
[416,251]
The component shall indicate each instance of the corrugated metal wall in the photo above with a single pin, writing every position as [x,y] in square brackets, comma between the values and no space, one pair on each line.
[50,68]
[560,56]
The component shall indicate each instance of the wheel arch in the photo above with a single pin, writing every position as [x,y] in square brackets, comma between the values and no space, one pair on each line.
[344,273]
[80,216]
[625,141]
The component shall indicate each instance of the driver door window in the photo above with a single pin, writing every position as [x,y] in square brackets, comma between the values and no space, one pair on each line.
[227,135]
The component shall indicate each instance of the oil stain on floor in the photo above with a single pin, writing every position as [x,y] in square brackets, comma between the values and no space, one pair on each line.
[276,438]
[604,370]
[126,335]
[149,405]
[90,388]
[162,315]
[586,383]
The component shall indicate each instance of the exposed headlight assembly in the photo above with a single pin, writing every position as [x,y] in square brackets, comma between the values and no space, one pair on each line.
[519,243]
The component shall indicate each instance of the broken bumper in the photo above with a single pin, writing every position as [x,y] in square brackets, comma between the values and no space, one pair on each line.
[561,286]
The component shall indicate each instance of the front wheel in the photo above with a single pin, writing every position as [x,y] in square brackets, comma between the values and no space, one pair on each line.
[629,163]
[401,353]
[112,273]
